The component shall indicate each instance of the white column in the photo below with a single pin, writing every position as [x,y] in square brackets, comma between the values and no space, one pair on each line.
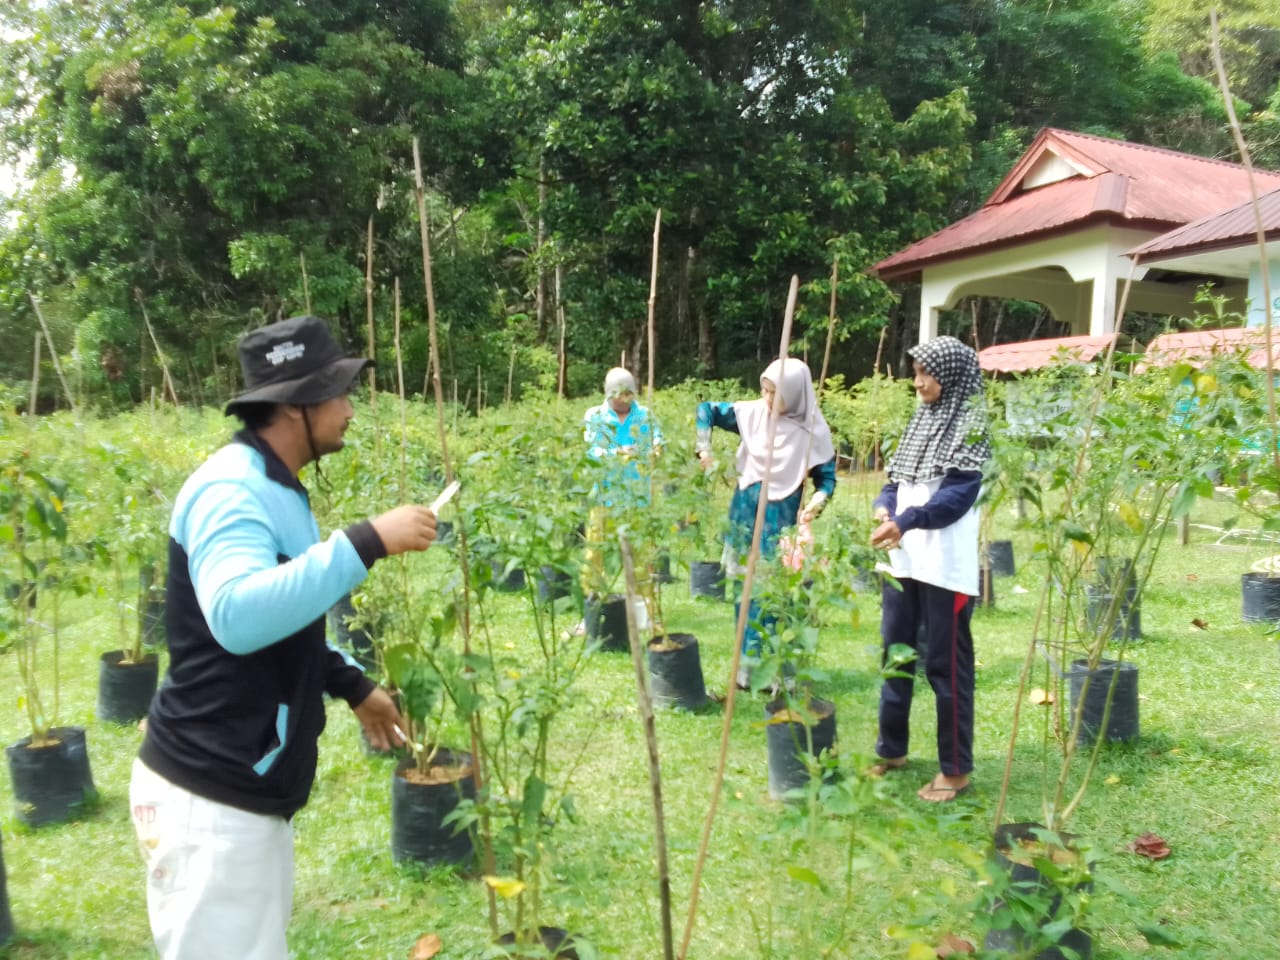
[1257,296]
[1102,308]
[928,319]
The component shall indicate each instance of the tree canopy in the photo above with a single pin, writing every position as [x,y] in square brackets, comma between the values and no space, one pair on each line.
[207,167]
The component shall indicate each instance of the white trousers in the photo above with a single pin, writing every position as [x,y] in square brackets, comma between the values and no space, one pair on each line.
[219,879]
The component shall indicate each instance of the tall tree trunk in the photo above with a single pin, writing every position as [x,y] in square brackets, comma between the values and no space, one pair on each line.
[697,303]
[540,292]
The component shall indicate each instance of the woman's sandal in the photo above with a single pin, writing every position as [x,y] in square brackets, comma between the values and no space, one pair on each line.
[881,767]
[948,792]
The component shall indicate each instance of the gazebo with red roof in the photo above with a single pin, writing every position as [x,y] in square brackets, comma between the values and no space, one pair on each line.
[1059,227]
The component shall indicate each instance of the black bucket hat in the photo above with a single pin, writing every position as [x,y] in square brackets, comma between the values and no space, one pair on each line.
[294,361]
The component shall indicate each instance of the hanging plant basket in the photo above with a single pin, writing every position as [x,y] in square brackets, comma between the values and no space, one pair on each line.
[675,672]
[51,783]
[125,689]
[419,806]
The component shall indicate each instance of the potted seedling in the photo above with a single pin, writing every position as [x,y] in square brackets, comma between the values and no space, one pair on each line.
[1109,477]
[49,768]
[127,675]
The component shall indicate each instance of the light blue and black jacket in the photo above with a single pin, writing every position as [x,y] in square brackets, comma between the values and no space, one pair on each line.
[238,715]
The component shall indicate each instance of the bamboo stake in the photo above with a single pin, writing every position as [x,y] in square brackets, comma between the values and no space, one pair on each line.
[164,367]
[563,360]
[511,372]
[1247,159]
[404,411]
[753,558]
[645,703]
[653,296]
[831,323]
[35,382]
[478,776]
[306,284]
[53,352]
[368,312]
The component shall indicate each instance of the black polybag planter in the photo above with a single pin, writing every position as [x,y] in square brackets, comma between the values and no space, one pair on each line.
[660,569]
[125,689]
[1122,724]
[1259,597]
[605,620]
[1000,558]
[418,810]
[553,584]
[789,743]
[706,579]
[1127,624]
[151,618]
[6,916]
[358,641]
[507,582]
[675,675]
[1027,877]
[556,943]
[51,783]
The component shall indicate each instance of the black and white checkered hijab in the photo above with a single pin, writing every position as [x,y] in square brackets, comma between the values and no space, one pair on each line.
[951,432]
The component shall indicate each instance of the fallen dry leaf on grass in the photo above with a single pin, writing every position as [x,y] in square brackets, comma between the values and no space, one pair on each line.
[1149,845]
[1193,576]
[1038,696]
[1202,624]
[952,946]
[426,947]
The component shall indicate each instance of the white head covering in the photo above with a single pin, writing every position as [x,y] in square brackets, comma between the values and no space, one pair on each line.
[951,432]
[618,381]
[803,440]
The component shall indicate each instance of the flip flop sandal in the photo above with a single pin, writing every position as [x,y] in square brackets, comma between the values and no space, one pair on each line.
[934,787]
[880,768]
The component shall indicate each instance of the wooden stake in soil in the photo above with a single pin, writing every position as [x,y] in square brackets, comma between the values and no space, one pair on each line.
[306,284]
[164,367]
[53,352]
[753,557]
[645,703]
[420,192]
[653,297]
[368,313]
[35,381]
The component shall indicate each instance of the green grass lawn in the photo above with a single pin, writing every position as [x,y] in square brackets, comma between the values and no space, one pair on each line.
[1204,775]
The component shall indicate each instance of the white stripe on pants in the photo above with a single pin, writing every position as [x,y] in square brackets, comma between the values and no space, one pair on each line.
[219,879]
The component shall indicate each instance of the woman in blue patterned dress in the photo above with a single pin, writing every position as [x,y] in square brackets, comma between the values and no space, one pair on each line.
[802,448]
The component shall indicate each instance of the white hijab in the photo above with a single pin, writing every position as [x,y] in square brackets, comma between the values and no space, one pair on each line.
[803,439]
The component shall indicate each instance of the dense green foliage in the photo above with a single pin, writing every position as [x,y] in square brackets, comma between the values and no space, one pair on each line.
[860,868]
[204,168]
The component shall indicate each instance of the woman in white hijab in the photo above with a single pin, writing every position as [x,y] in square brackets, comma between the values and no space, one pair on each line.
[929,525]
[802,448]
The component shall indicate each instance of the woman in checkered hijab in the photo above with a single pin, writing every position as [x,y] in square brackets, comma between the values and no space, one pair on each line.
[928,523]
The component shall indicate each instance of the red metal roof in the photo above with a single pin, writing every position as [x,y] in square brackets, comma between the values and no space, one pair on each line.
[1119,182]
[1196,347]
[1231,228]
[1034,354]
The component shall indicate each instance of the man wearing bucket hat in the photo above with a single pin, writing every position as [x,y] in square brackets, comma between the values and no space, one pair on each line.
[230,749]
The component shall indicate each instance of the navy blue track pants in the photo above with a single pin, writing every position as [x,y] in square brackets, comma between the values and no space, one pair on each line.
[935,622]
